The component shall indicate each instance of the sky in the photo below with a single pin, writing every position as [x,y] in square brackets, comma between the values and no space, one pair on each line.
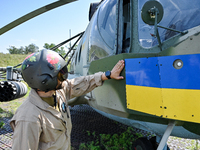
[51,27]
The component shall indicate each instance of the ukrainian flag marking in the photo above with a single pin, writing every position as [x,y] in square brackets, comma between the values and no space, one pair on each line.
[154,86]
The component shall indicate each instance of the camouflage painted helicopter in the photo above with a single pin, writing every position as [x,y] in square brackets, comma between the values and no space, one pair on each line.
[159,41]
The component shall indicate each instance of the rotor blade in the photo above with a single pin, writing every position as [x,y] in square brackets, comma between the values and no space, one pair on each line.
[34,14]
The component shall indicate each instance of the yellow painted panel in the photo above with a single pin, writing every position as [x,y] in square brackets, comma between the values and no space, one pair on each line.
[178,104]
[144,99]
[182,104]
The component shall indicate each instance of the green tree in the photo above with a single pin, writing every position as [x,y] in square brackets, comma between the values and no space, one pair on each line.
[14,50]
[26,51]
[31,48]
[48,46]
[21,50]
[60,50]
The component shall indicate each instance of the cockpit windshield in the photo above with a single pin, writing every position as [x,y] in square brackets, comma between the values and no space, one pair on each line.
[178,14]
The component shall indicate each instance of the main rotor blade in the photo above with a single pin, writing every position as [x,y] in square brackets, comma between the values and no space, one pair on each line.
[34,14]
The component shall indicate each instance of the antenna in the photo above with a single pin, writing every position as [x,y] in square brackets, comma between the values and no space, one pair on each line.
[70,38]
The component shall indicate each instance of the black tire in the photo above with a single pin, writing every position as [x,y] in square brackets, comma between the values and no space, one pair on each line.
[155,144]
[143,144]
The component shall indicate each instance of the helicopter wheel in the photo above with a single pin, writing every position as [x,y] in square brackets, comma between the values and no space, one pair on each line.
[143,144]
[155,144]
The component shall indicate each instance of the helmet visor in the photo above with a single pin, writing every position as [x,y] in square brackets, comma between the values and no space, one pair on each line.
[63,74]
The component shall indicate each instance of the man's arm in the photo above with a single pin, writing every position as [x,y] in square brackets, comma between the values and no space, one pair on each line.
[82,85]
[26,136]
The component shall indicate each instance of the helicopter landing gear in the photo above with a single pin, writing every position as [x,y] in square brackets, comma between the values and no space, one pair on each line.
[162,144]
[143,144]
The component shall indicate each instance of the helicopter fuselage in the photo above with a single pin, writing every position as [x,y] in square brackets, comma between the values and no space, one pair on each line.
[161,71]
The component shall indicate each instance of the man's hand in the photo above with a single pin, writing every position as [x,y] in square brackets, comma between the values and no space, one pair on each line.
[115,72]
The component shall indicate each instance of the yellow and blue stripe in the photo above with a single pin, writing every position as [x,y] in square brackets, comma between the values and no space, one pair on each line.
[154,86]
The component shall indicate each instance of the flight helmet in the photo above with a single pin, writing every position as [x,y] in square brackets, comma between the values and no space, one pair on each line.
[41,70]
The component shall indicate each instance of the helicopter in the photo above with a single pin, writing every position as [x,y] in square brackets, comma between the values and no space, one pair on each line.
[158,40]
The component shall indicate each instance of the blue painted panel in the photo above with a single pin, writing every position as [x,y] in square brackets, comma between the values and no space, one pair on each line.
[159,72]
[188,77]
[142,72]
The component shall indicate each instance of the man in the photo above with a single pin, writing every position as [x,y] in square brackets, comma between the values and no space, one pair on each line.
[43,121]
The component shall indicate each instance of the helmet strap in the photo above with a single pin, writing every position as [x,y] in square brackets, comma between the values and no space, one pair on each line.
[55,100]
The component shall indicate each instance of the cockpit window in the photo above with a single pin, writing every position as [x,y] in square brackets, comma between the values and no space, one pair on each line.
[107,22]
[178,14]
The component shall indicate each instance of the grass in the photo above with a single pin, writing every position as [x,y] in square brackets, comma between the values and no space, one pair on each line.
[7,109]
[11,60]
[122,141]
